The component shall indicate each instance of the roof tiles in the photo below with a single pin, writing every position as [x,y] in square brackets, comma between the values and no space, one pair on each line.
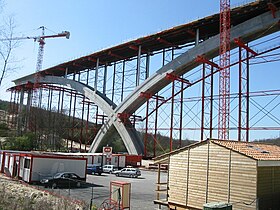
[259,151]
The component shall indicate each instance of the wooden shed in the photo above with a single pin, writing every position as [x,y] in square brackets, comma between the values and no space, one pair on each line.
[244,174]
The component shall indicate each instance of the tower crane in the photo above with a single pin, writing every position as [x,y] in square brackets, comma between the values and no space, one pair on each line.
[41,41]
[224,78]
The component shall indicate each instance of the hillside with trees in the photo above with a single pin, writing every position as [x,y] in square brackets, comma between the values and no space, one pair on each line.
[53,127]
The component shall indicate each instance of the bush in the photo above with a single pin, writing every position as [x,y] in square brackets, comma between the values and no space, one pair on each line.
[25,142]
[4,130]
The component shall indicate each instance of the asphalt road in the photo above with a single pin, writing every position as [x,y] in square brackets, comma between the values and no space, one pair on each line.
[142,189]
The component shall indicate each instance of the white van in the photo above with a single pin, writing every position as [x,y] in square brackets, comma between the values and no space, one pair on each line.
[109,168]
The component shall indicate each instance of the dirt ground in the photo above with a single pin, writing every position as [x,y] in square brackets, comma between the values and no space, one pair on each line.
[19,195]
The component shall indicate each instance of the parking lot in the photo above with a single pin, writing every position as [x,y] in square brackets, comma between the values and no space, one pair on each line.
[142,189]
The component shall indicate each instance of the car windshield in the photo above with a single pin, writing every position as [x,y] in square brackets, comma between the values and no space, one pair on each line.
[57,175]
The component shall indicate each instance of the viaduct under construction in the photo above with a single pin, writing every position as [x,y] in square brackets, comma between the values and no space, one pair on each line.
[162,84]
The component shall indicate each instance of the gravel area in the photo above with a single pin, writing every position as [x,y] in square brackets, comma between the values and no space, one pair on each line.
[19,195]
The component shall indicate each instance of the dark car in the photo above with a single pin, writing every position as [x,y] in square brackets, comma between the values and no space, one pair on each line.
[94,169]
[65,179]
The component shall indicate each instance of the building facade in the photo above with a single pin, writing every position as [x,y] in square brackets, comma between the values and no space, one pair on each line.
[243,174]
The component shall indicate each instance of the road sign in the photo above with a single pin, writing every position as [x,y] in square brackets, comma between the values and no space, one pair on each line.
[107,151]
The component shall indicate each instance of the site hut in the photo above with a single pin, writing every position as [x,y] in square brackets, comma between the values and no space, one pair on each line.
[9,162]
[35,166]
[245,175]
[118,160]
[92,158]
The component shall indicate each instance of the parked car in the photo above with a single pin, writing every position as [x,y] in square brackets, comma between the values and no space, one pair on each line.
[109,168]
[128,172]
[94,169]
[65,179]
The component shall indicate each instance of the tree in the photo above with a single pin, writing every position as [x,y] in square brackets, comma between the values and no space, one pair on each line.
[7,46]
[4,130]
[26,142]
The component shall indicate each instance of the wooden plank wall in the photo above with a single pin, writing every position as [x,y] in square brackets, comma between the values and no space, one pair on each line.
[243,182]
[231,177]
[268,189]
[197,176]
[178,181]
[219,159]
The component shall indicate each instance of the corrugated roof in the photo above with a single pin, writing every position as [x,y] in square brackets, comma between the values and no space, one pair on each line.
[258,151]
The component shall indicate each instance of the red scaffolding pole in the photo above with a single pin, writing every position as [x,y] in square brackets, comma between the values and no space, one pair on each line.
[243,107]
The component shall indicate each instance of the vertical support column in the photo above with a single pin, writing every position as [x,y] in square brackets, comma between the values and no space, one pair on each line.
[40,97]
[10,112]
[207,96]
[114,81]
[171,117]
[123,72]
[197,37]
[56,118]
[62,101]
[74,76]
[66,72]
[146,129]
[239,93]
[49,111]
[138,69]
[50,119]
[39,137]
[20,108]
[69,119]
[163,57]
[87,76]
[147,66]
[156,126]
[14,109]
[202,102]
[82,124]
[247,96]
[28,109]
[62,113]
[17,107]
[37,110]
[105,79]
[181,114]
[96,120]
[79,76]
[158,181]
[211,103]
[96,74]
[73,120]
[87,123]
[243,114]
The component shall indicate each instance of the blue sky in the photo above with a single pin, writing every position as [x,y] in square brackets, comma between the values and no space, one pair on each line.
[93,24]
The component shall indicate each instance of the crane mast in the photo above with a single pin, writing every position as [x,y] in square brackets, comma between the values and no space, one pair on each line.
[224,77]
[41,50]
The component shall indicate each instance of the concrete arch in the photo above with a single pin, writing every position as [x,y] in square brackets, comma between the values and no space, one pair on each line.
[250,30]
[127,133]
